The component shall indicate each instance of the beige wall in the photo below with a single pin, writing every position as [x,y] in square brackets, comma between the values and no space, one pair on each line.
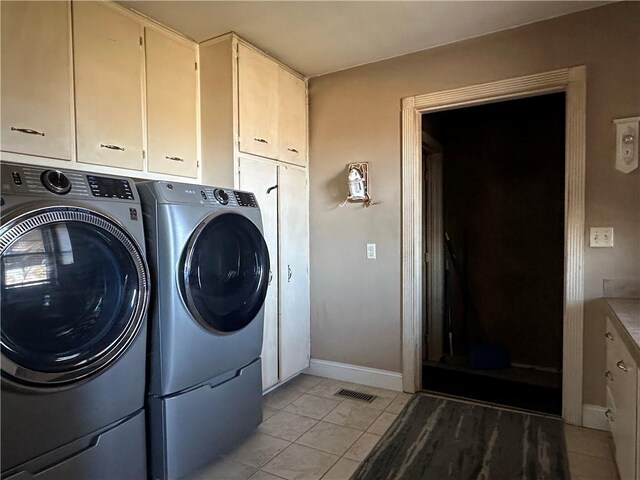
[355,116]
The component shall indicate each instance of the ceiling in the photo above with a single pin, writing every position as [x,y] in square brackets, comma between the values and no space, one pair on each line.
[318,37]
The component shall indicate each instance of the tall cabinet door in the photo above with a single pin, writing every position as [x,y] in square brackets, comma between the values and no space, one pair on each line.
[36,79]
[171,105]
[108,81]
[294,273]
[258,103]
[258,177]
[292,118]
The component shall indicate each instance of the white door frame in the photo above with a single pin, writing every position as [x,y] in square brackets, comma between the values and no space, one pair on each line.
[572,81]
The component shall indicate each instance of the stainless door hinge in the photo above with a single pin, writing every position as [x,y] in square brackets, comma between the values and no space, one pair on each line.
[140,41]
[196,65]
[144,154]
[198,164]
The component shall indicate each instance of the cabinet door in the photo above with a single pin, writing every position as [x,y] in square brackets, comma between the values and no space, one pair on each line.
[258,177]
[292,118]
[171,105]
[294,273]
[108,81]
[622,389]
[258,103]
[36,79]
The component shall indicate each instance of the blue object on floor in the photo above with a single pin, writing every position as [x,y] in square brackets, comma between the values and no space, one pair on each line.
[488,356]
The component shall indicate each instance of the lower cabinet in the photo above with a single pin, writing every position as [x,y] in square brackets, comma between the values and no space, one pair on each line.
[622,402]
[281,191]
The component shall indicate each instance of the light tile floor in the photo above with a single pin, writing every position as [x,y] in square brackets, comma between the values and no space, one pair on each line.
[590,454]
[307,433]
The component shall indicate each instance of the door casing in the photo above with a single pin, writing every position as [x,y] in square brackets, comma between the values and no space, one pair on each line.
[572,81]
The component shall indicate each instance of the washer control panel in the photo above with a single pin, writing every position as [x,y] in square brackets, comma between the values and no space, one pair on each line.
[109,187]
[20,179]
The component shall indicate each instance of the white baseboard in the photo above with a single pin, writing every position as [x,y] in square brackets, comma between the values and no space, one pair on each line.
[356,374]
[593,417]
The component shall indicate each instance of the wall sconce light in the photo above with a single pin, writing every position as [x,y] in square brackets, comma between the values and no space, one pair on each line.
[358,183]
[627,144]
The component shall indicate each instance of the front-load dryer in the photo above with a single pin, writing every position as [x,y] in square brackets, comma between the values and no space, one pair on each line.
[211,269]
[74,298]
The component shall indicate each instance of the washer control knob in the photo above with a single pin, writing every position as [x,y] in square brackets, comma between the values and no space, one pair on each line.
[221,196]
[56,182]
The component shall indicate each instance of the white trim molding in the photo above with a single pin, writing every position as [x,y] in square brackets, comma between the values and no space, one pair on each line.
[572,81]
[371,377]
[593,416]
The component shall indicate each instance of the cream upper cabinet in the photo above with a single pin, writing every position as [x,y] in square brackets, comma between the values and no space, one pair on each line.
[249,104]
[108,84]
[171,105]
[36,79]
[258,103]
[292,118]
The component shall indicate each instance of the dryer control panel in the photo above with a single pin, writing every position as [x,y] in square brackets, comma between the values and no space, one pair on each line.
[173,192]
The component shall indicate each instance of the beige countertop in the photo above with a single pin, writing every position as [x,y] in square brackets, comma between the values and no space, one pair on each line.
[628,312]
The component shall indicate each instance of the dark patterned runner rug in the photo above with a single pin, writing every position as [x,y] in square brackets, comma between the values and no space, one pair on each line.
[436,439]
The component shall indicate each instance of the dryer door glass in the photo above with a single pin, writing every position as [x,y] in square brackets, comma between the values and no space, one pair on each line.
[71,297]
[226,271]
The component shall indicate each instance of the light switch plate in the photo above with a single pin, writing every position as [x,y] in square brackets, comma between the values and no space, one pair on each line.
[371,251]
[601,237]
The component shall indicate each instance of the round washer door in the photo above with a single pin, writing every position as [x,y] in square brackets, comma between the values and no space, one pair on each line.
[74,294]
[225,272]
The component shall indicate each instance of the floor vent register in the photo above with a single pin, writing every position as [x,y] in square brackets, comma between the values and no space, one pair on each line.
[353,395]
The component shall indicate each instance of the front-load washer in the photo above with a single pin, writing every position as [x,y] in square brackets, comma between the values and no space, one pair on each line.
[210,266]
[74,298]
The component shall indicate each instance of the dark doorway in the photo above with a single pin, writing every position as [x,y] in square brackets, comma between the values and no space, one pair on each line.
[503,248]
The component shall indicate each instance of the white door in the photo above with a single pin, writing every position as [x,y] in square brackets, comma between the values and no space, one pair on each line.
[108,82]
[294,272]
[36,79]
[259,177]
[171,105]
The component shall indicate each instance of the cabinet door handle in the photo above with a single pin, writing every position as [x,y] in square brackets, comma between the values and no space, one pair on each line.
[608,335]
[609,375]
[27,130]
[622,366]
[270,277]
[175,159]
[270,189]
[112,147]
[289,273]
[293,150]
[609,415]
[260,140]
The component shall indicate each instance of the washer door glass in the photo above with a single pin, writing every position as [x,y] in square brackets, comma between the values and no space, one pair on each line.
[72,295]
[226,272]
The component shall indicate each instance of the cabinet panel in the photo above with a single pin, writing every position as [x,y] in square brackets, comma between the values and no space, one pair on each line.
[622,396]
[36,79]
[292,118]
[257,103]
[171,105]
[257,177]
[108,81]
[294,277]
